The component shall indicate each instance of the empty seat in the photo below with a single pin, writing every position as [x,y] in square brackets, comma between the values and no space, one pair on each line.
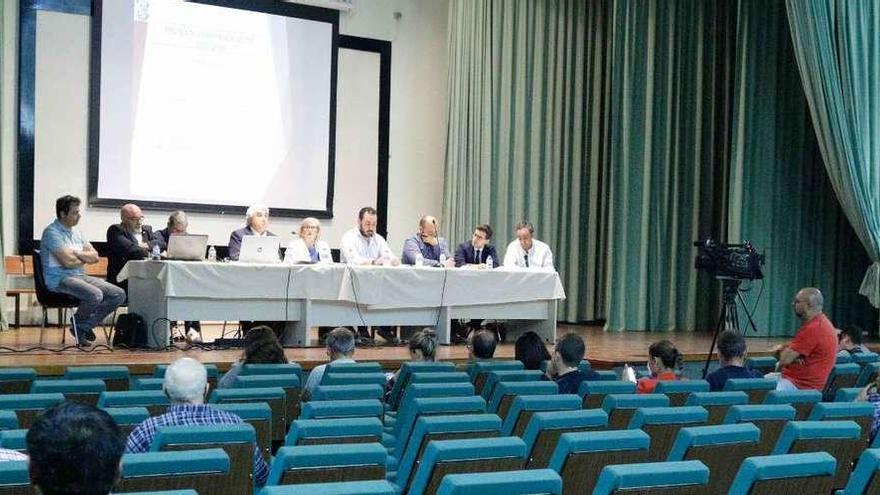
[543,481]
[717,403]
[842,376]
[319,464]
[580,457]
[426,390]
[761,364]
[524,406]
[14,439]
[147,383]
[347,367]
[755,388]
[403,377]
[430,406]
[789,473]
[865,478]
[594,392]
[860,412]
[289,383]
[8,420]
[353,379]
[444,457]
[719,447]
[801,400]
[864,358]
[679,390]
[543,432]
[662,425]
[848,394]
[127,417]
[15,479]
[28,406]
[84,391]
[868,374]
[681,478]
[154,400]
[478,369]
[609,375]
[494,377]
[275,397]
[621,407]
[435,428]
[205,471]
[506,392]
[361,408]
[273,369]
[256,414]
[372,487]
[16,380]
[770,419]
[347,392]
[841,439]
[116,377]
[333,431]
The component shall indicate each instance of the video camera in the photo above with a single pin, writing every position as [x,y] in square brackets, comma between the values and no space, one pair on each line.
[738,261]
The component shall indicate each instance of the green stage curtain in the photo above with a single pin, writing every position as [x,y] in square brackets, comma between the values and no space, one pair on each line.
[837,45]
[780,196]
[670,104]
[526,133]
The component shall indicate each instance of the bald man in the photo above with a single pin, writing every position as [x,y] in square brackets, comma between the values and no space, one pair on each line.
[128,240]
[806,361]
[428,243]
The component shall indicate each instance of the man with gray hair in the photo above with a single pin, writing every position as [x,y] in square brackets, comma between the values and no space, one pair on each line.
[177,224]
[185,385]
[340,349]
[807,360]
[257,218]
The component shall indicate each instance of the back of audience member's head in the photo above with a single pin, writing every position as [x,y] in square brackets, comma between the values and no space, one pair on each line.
[340,343]
[667,353]
[262,347]
[731,345]
[853,332]
[423,344]
[530,350]
[483,343]
[74,450]
[186,381]
[571,350]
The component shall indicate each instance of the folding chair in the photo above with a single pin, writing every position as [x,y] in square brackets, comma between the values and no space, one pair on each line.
[718,447]
[543,481]
[662,425]
[841,439]
[580,457]
[680,478]
[543,432]
[789,473]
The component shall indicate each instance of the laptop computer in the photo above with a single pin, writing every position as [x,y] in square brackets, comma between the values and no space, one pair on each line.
[187,247]
[259,249]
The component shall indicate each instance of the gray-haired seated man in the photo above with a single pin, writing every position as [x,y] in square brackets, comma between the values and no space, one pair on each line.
[340,349]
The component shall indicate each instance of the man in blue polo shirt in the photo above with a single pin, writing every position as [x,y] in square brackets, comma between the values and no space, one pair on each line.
[731,353]
[64,251]
[565,362]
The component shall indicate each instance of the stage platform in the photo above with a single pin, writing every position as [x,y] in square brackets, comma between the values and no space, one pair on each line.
[604,350]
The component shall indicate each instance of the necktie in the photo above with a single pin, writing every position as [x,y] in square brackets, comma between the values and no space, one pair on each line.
[526,258]
[477,256]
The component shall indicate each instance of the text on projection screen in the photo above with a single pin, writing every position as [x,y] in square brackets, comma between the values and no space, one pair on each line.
[212,105]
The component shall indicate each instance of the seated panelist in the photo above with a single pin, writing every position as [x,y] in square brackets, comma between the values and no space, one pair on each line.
[307,248]
[428,243]
[257,218]
[177,224]
[477,251]
[126,241]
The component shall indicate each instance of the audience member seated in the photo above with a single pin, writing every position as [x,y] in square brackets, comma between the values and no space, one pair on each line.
[64,253]
[664,364]
[126,241]
[260,347]
[481,346]
[422,347]
[731,353]
[530,351]
[185,385]
[428,243]
[849,339]
[340,348]
[526,251]
[307,248]
[74,449]
[871,393]
[563,368]
[808,359]
[177,224]
[257,219]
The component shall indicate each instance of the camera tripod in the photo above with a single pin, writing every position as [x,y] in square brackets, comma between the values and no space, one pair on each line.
[729,317]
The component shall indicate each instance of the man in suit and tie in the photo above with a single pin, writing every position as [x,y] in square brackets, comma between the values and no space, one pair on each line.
[478,250]
[128,240]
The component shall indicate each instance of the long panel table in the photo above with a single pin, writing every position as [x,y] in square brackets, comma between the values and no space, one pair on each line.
[339,294]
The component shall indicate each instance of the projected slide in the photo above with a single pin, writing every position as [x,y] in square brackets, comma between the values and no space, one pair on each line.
[209,105]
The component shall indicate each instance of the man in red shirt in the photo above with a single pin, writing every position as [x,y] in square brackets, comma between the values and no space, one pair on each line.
[807,360]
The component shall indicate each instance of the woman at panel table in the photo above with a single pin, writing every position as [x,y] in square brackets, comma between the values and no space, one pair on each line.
[307,248]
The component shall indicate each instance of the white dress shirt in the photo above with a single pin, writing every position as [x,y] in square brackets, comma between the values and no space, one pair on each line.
[539,255]
[297,252]
[359,250]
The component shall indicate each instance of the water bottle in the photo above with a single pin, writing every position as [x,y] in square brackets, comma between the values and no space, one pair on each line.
[154,252]
[212,254]
[490,263]
[420,260]
[629,374]
[443,259]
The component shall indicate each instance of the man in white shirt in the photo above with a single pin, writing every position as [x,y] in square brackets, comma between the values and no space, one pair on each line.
[526,251]
[363,246]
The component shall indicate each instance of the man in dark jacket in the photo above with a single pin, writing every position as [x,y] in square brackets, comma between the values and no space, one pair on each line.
[128,240]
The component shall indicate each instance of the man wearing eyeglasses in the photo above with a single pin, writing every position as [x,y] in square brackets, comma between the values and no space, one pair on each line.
[478,251]
[128,240]
[527,252]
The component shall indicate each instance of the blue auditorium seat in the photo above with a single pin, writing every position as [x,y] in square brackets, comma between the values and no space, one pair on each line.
[425,390]
[543,431]
[860,412]
[84,391]
[717,403]
[275,397]
[478,369]
[594,392]
[273,369]
[154,400]
[506,392]
[524,406]
[347,392]
[842,376]
[14,439]
[797,473]
[801,400]
[864,358]
[479,455]
[371,487]
[365,367]
[679,390]
[847,394]
[8,420]
[28,406]
[843,357]
[334,431]
[319,464]
[147,383]
[325,409]
[413,410]
[662,425]
[353,379]
[718,447]
[609,375]
[127,417]
[755,388]
[290,383]
[406,369]
[868,374]
[15,478]
[16,380]
[116,377]
[256,414]
[771,419]
[684,477]
[204,470]
[621,407]
[543,481]
[841,439]
[494,377]
[580,457]
[865,478]
[761,364]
